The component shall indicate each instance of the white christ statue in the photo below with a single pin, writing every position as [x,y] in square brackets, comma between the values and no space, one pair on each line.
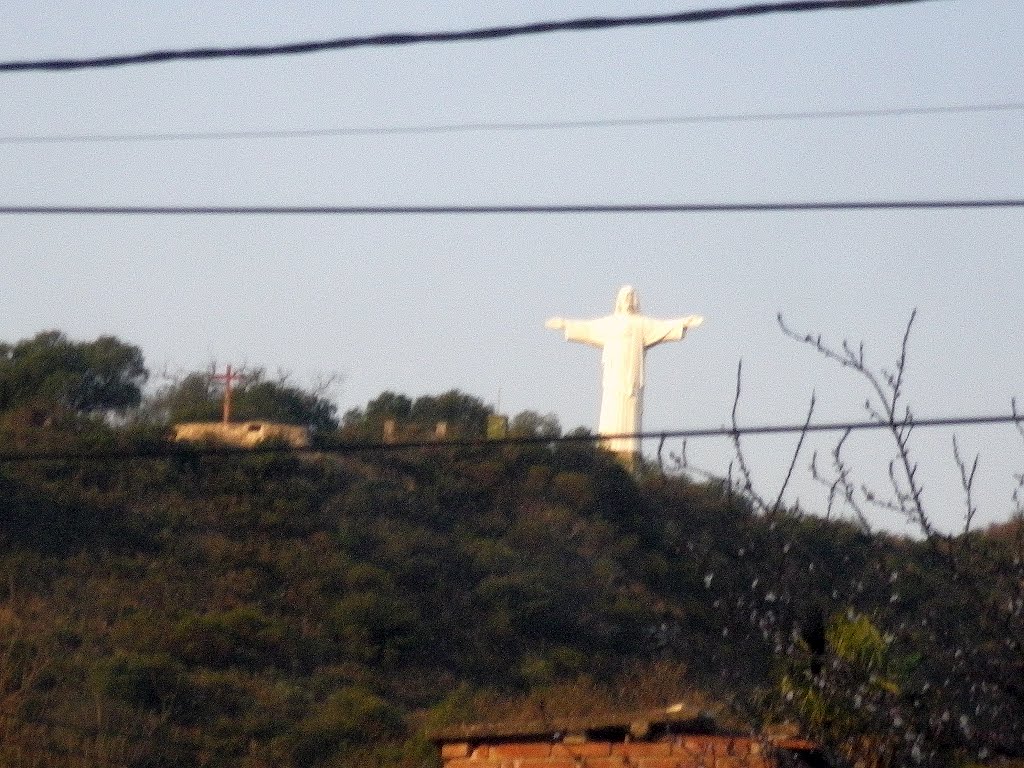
[624,336]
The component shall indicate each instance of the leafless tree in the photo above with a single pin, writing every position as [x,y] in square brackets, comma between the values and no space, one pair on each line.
[961,698]
[874,681]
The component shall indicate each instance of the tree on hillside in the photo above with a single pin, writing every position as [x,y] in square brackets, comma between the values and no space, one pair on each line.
[461,411]
[534,424]
[464,414]
[51,371]
[198,397]
[387,405]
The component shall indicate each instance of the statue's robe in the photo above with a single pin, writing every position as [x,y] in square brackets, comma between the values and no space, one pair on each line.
[624,337]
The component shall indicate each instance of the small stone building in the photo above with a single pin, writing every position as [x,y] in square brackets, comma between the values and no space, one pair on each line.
[673,738]
[244,434]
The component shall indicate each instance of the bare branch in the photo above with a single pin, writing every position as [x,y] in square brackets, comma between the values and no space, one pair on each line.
[1018,492]
[748,485]
[844,478]
[326,384]
[967,483]
[796,454]
[885,407]
[901,365]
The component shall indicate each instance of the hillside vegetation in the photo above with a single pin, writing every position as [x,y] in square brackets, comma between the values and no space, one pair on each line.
[329,608]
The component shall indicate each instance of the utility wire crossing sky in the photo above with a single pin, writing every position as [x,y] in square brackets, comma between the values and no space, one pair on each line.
[408,38]
[566,208]
[640,122]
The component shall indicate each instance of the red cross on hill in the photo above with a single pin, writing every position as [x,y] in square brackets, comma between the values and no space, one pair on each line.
[228,377]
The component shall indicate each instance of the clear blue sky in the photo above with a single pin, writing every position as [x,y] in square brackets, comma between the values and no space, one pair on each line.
[425,304]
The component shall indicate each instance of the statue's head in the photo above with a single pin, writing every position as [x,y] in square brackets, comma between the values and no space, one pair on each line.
[626,302]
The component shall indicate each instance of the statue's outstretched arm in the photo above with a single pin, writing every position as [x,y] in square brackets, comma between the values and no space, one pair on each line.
[583,331]
[658,331]
[691,321]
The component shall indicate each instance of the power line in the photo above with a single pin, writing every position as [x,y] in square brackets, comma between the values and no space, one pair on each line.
[642,122]
[456,210]
[178,450]
[409,38]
